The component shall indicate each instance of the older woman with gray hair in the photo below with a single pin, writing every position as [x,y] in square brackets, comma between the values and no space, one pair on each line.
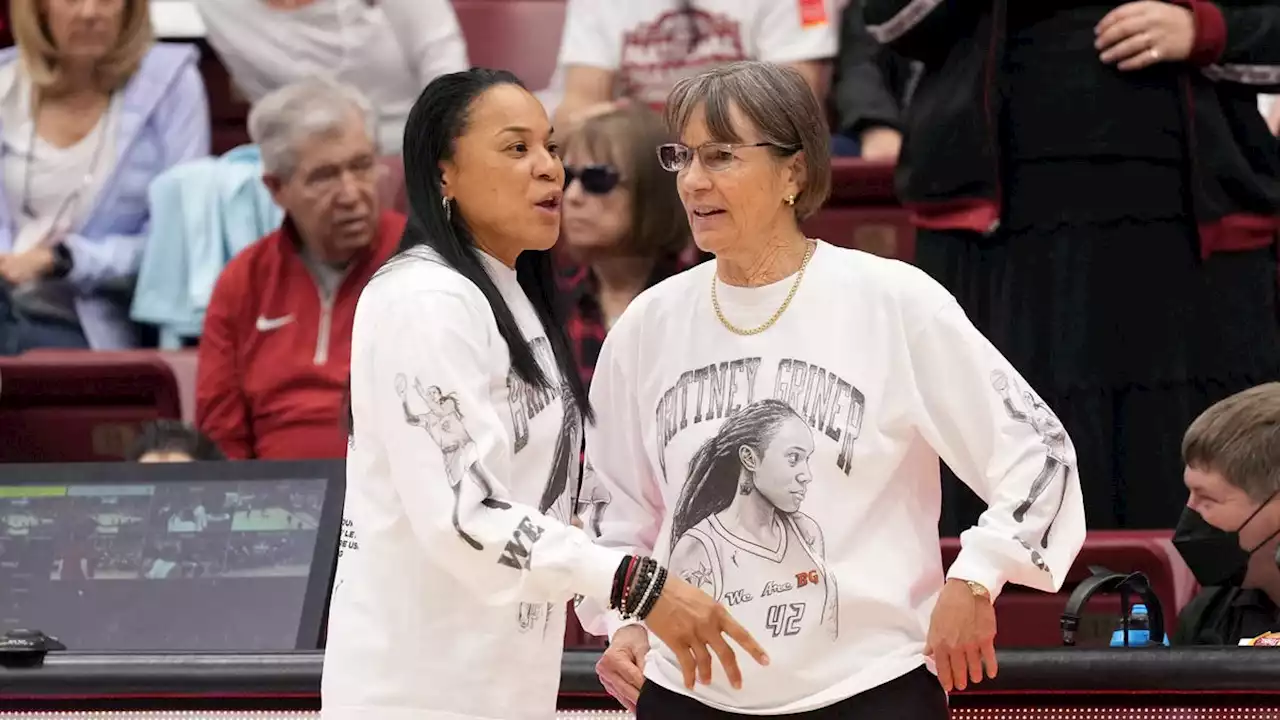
[276,345]
[808,375]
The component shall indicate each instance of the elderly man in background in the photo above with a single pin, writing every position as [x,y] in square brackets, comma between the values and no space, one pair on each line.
[276,345]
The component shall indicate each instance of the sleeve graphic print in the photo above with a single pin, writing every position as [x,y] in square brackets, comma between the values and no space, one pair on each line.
[1025,407]
[556,497]
[739,534]
[443,422]
[593,500]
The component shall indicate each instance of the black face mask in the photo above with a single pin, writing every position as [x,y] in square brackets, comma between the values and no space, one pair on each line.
[1215,556]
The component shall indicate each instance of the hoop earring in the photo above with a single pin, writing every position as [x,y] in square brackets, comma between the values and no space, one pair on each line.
[448,208]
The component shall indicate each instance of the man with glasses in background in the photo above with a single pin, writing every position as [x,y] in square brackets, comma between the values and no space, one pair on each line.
[276,346]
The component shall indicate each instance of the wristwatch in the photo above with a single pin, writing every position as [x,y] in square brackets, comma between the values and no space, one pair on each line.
[61,262]
[977,589]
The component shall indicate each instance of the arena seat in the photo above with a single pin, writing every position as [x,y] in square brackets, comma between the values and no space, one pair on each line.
[77,406]
[863,212]
[575,636]
[183,364]
[228,110]
[522,36]
[1028,618]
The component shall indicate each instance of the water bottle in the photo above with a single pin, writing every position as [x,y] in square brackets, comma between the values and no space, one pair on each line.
[1139,629]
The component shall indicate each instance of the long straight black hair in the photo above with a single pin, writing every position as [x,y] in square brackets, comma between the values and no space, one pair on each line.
[437,119]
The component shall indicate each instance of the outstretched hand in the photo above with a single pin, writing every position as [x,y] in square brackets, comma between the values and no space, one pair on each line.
[689,621]
[962,634]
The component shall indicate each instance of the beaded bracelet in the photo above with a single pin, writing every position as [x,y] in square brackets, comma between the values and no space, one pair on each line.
[635,595]
[637,584]
[619,582]
[651,597]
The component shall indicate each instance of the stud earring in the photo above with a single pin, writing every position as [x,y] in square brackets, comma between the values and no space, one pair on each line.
[791,200]
[448,208]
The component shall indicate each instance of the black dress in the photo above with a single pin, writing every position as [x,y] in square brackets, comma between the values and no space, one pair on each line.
[1094,286]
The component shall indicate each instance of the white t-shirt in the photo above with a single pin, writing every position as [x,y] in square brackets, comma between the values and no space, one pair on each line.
[390,49]
[794,474]
[453,571]
[647,42]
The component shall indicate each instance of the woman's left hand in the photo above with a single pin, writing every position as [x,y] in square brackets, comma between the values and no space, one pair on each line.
[1140,34]
[962,634]
[24,267]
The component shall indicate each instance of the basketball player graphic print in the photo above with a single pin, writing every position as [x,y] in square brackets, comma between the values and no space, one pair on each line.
[739,534]
[443,422]
[1023,406]
[556,499]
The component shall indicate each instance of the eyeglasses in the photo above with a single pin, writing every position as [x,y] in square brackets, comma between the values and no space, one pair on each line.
[596,179]
[329,179]
[714,156]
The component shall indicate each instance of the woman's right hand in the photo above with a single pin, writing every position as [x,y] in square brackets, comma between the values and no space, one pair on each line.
[621,665]
[689,621]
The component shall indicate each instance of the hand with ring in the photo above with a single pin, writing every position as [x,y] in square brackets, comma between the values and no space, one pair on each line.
[1140,34]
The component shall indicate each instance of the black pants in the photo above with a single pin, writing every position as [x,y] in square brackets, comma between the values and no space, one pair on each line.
[914,696]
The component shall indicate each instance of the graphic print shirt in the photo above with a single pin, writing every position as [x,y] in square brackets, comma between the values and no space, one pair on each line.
[456,560]
[650,43]
[793,475]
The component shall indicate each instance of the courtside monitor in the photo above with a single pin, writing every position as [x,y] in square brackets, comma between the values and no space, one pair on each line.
[170,557]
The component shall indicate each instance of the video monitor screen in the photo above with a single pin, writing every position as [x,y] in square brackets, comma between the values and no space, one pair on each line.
[190,556]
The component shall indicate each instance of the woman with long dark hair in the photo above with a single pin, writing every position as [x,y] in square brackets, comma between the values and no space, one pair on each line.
[465,426]
[740,511]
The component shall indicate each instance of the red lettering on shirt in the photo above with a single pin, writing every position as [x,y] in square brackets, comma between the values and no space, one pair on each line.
[807,578]
[813,13]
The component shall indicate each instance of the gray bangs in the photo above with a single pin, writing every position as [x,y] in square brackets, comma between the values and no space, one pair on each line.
[716,92]
[771,100]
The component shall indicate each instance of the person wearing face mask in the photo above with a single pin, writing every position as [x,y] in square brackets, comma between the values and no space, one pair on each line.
[1229,532]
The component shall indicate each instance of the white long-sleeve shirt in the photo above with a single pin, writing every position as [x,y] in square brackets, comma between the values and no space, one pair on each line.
[456,562]
[390,49]
[794,474]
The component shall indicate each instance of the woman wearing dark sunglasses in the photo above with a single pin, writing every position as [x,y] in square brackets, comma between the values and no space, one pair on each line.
[622,223]
[789,374]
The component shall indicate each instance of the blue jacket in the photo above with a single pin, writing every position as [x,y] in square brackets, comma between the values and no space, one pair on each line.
[164,120]
[202,214]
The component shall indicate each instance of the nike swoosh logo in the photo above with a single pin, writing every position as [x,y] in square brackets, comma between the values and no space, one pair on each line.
[266,324]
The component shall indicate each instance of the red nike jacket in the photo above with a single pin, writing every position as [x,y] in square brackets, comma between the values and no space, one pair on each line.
[274,358]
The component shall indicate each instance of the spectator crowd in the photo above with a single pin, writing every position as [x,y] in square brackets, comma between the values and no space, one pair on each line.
[1104,210]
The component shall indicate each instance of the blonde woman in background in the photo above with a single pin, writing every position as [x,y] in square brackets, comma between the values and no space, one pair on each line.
[91,110]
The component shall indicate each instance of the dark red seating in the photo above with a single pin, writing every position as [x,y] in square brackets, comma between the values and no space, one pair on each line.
[227,109]
[76,406]
[863,212]
[522,36]
[1028,618]
[183,364]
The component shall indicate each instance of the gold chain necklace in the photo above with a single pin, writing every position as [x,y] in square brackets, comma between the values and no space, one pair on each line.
[715,299]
